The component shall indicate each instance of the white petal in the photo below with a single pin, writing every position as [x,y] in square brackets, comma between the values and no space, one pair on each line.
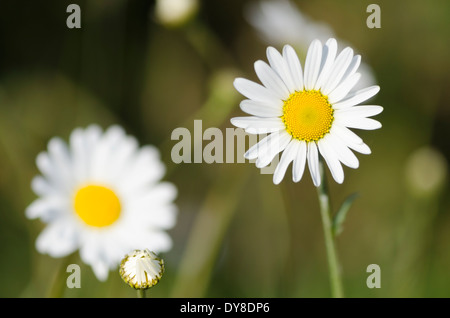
[92,136]
[360,147]
[287,157]
[156,195]
[257,125]
[102,157]
[153,206]
[353,67]
[299,162]
[357,123]
[345,155]
[328,56]
[42,186]
[332,160]
[101,270]
[145,169]
[121,159]
[260,109]
[357,97]
[82,145]
[256,92]
[280,66]
[46,208]
[360,111]
[162,217]
[349,138]
[345,134]
[58,239]
[51,172]
[79,153]
[344,88]
[271,79]
[338,70]
[275,146]
[254,150]
[89,249]
[157,241]
[294,66]
[312,64]
[60,157]
[313,163]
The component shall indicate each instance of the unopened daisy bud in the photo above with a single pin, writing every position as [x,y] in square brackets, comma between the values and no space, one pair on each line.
[141,269]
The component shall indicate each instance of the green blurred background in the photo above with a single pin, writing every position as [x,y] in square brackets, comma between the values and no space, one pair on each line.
[237,235]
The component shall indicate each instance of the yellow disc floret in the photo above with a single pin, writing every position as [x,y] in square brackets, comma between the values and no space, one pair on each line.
[97,205]
[307,115]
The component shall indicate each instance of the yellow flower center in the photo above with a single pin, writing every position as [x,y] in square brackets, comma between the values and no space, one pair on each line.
[97,206]
[307,115]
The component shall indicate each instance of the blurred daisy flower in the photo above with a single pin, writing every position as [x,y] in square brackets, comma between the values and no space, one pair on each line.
[282,22]
[279,22]
[307,112]
[141,269]
[175,12]
[101,194]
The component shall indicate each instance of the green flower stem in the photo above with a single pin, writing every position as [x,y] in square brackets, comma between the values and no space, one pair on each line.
[141,293]
[333,264]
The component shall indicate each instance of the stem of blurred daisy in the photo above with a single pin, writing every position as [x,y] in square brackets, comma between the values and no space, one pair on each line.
[330,244]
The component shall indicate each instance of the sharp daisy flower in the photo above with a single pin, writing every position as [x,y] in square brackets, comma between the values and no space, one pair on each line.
[101,194]
[307,112]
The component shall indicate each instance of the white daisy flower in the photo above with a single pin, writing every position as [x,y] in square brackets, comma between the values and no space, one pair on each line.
[308,112]
[101,194]
[141,269]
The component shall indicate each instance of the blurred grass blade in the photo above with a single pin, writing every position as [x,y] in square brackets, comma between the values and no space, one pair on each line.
[341,214]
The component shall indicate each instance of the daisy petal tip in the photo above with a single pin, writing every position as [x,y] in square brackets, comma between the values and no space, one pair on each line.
[238,82]
[316,181]
[296,179]
[375,124]
[259,164]
[316,42]
[287,49]
[365,150]
[29,213]
[276,180]
[376,89]
[340,180]
[258,64]
[270,50]
[237,122]
[331,40]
